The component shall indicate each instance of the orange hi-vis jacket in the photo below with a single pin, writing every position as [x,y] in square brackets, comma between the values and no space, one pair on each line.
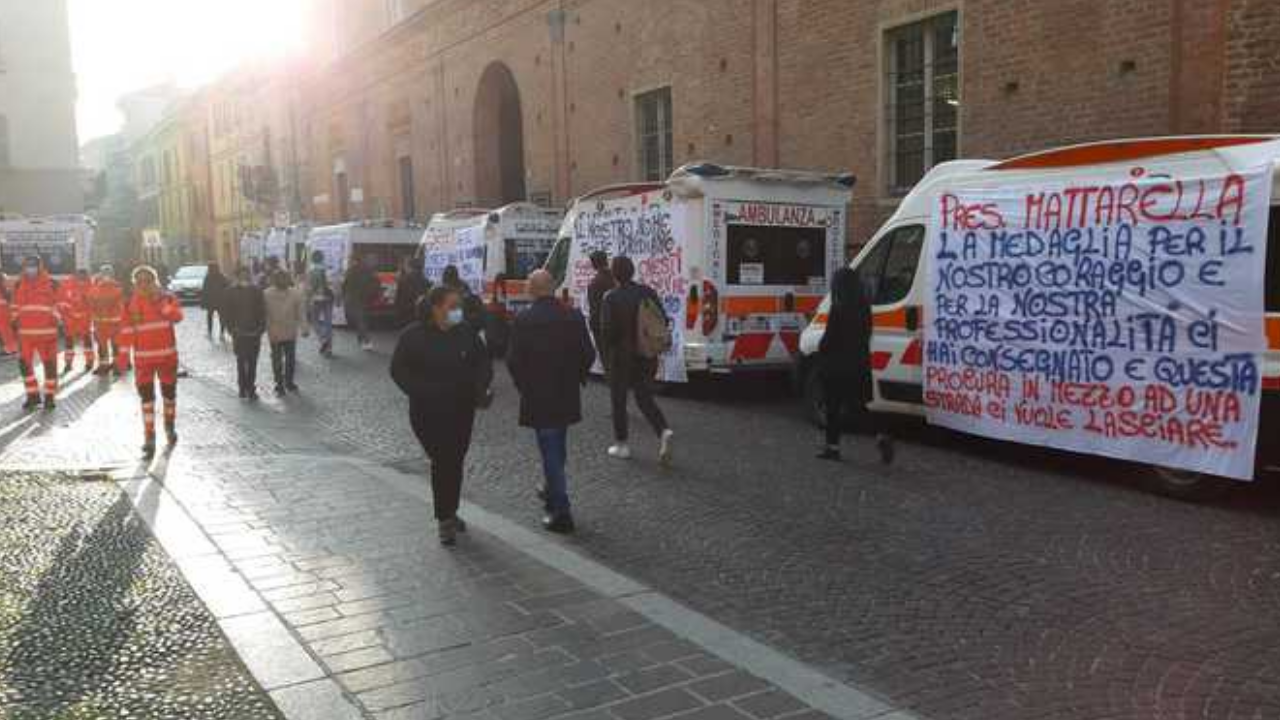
[73,306]
[35,310]
[146,327]
[106,304]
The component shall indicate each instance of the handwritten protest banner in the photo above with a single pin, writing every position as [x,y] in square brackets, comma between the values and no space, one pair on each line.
[1122,319]
[465,250]
[640,228]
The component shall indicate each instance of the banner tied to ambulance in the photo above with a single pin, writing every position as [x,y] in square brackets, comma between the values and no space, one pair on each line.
[642,228]
[463,249]
[1118,318]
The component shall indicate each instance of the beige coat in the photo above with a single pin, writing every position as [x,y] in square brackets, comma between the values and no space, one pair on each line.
[285,314]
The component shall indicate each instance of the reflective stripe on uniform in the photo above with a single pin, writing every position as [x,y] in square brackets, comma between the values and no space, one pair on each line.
[148,327]
[149,354]
[36,332]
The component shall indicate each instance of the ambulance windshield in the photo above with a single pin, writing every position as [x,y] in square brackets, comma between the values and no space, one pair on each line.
[773,255]
[524,255]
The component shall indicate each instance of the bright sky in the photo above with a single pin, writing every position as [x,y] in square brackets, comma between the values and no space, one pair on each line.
[123,45]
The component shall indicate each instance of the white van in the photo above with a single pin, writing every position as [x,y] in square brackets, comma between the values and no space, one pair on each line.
[893,265]
[288,245]
[383,245]
[64,242]
[741,256]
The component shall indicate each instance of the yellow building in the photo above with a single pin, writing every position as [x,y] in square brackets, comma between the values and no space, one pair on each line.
[168,177]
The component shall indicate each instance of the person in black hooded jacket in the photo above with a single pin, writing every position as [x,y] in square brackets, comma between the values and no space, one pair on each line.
[443,366]
[844,361]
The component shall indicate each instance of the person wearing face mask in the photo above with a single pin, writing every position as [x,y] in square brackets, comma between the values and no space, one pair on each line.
[73,306]
[35,308]
[443,366]
[147,333]
[106,304]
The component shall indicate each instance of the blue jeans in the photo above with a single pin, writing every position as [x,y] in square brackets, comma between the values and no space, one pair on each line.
[553,443]
[322,322]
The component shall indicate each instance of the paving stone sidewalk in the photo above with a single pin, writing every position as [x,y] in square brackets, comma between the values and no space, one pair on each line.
[324,572]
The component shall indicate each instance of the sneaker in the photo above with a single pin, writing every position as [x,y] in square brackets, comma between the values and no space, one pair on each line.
[33,402]
[149,449]
[830,453]
[884,444]
[620,451]
[561,524]
[448,530]
[50,403]
[664,447]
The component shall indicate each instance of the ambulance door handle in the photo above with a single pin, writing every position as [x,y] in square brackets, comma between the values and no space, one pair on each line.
[913,318]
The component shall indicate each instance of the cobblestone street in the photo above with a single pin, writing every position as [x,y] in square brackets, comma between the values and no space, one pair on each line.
[971,580]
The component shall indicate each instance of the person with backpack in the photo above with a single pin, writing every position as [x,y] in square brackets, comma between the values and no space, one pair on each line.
[636,333]
[320,299]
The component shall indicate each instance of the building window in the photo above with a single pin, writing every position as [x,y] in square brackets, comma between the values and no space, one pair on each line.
[923,97]
[653,121]
[408,206]
[4,141]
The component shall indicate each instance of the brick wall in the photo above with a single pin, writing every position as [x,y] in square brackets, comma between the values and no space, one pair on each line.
[797,83]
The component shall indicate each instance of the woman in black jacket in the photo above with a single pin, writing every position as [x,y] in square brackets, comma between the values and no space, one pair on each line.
[211,295]
[844,359]
[443,366]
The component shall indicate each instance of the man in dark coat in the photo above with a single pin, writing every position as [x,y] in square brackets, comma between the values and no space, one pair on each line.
[411,285]
[549,355]
[600,285]
[360,286]
[245,312]
[443,366]
[844,359]
[211,294]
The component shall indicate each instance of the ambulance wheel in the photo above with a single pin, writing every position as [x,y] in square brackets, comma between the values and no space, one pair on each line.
[1185,484]
[815,402]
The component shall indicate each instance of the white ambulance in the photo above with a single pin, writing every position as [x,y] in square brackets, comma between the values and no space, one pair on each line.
[383,245]
[741,256]
[288,245]
[893,267]
[64,242]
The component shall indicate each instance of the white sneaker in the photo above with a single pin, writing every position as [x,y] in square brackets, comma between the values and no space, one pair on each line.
[664,447]
[620,451]
[367,346]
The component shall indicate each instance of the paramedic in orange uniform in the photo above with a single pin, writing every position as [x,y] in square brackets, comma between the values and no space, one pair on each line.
[7,336]
[147,332]
[34,307]
[73,306]
[106,304]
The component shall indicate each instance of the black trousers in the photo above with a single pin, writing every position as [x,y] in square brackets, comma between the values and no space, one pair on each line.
[284,358]
[247,349]
[446,438]
[633,375]
[844,398]
[208,320]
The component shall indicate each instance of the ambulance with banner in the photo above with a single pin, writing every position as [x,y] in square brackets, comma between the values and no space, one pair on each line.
[288,244]
[64,242]
[383,244]
[1117,298]
[740,257]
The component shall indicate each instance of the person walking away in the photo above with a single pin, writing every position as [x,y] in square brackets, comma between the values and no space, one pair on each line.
[106,306]
[549,356]
[411,285]
[34,307]
[8,339]
[359,288]
[844,361]
[600,285]
[211,294]
[285,319]
[320,298]
[632,368]
[73,307]
[443,367]
[147,332]
[246,314]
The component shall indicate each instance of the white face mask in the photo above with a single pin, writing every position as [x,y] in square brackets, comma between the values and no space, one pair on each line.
[31,271]
[454,318]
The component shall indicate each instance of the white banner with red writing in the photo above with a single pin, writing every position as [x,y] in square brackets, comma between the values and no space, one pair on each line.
[641,228]
[1122,319]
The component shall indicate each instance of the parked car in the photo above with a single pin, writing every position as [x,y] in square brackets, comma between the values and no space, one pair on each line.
[188,282]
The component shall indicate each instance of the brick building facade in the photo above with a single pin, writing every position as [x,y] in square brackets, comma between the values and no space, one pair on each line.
[435,104]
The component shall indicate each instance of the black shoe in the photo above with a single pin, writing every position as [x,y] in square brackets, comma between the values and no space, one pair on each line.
[252,396]
[149,449]
[291,388]
[171,435]
[459,524]
[243,395]
[884,444]
[448,532]
[280,392]
[829,454]
[49,403]
[561,524]
[33,402]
